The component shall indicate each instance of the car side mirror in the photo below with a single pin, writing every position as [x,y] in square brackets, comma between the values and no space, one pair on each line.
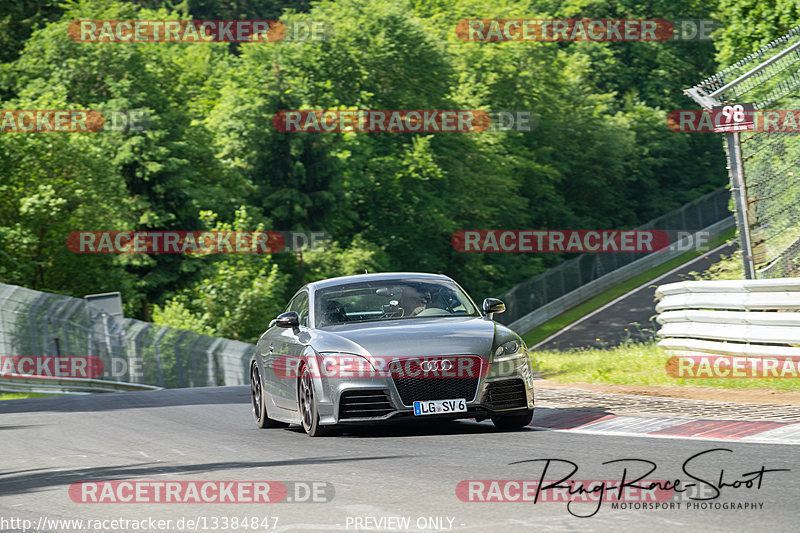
[290,319]
[492,306]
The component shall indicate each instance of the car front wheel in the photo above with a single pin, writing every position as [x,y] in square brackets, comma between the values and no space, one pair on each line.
[257,397]
[308,406]
[515,421]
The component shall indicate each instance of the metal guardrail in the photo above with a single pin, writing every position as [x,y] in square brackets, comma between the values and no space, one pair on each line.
[533,296]
[751,318]
[62,385]
[615,277]
[40,324]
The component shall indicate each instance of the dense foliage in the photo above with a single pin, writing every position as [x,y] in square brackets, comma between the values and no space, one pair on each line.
[600,157]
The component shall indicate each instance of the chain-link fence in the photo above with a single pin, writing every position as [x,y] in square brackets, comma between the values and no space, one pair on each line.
[39,324]
[768,79]
[572,274]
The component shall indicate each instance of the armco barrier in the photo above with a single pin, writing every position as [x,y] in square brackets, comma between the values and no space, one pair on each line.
[532,295]
[615,277]
[34,323]
[753,318]
[48,385]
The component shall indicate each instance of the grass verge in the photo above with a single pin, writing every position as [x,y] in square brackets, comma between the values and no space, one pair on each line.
[563,320]
[21,395]
[634,363]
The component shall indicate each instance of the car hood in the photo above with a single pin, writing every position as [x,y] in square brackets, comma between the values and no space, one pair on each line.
[410,337]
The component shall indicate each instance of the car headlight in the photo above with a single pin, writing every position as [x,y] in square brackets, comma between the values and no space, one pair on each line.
[344,365]
[509,350]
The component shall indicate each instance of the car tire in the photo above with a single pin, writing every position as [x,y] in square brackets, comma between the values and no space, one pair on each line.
[307,402]
[515,421]
[259,406]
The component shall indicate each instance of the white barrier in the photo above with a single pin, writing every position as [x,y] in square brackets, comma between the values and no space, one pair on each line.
[59,385]
[753,318]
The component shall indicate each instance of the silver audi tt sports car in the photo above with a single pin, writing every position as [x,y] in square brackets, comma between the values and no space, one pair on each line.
[373,347]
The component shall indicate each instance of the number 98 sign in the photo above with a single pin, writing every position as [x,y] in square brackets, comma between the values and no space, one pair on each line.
[736,117]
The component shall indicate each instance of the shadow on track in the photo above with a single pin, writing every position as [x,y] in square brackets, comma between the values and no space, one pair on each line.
[129,400]
[31,480]
[409,427]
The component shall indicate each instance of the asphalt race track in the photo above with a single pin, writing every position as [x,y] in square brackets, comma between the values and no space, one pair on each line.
[631,316]
[402,470]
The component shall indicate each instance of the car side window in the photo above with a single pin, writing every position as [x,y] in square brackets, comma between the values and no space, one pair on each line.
[299,305]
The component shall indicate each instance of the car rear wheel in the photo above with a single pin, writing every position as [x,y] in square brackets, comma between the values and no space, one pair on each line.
[515,421]
[308,406]
[259,407]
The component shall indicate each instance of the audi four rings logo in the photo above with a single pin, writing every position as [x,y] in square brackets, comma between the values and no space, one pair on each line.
[440,365]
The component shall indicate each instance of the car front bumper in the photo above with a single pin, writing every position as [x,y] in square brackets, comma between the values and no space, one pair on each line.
[484,404]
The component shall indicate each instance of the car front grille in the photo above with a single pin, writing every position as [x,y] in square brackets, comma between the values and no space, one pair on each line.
[421,389]
[364,404]
[506,394]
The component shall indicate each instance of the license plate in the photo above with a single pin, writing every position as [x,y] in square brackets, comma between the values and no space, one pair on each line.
[440,407]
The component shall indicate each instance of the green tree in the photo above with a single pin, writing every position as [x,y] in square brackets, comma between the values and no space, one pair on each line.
[750,24]
[237,295]
[167,171]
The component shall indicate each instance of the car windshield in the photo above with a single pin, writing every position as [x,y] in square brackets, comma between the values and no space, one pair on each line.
[370,301]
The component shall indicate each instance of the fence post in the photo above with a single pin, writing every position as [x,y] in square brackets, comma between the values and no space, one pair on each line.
[36,346]
[137,351]
[64,331]
[178,364]
[193,375]
[160,335]
[212,372]
[739,190]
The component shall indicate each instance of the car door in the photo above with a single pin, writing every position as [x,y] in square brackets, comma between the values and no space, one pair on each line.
[287,347]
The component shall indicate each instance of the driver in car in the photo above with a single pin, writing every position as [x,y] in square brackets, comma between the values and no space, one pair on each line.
[417,303]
